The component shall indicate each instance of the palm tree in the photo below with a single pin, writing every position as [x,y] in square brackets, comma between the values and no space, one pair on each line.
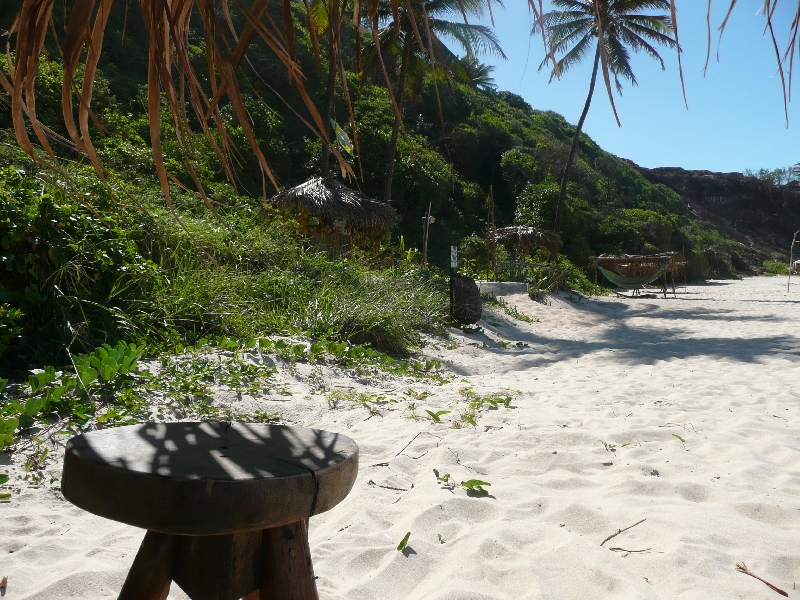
[414,39]
[479,75]
[620,25]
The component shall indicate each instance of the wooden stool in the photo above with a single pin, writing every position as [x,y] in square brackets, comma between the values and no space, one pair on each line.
[226,506]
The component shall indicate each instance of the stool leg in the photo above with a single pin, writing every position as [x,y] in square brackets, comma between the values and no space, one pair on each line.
[288,573]
[151,573]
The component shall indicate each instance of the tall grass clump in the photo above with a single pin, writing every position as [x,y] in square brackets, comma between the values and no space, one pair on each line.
[261,280]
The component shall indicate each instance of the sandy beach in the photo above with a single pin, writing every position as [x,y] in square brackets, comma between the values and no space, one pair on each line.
[684,412]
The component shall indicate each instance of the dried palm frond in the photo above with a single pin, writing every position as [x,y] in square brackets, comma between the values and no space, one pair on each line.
[171,77]
[768,8]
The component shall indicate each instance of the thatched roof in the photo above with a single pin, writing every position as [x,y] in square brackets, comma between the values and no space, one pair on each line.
[632,265]
[332,201]
[524,239]
[677,263]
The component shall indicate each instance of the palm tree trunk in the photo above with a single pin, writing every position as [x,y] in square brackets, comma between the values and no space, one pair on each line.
[327,110]
[399,96]
[562,196]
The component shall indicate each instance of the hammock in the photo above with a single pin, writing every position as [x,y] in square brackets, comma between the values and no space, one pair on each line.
[633,281]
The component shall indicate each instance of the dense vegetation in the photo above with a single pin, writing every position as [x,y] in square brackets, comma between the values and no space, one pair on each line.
[85,264]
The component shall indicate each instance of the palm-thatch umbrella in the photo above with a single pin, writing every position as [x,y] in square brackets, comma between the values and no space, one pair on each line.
[335,203]
[522,240]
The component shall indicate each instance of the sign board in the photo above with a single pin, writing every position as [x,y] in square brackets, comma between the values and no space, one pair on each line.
[453,257]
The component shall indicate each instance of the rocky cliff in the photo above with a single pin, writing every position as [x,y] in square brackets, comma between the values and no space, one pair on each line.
[756,213]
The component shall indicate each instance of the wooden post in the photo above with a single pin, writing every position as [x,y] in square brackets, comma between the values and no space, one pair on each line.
[150,575]
[288,573]
[219,566]
[425,228]
[453,267]
[791,260]
[492,228]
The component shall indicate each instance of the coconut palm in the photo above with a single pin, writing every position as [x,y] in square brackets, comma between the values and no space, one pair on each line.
[611,28]
[412,36]
[479,75]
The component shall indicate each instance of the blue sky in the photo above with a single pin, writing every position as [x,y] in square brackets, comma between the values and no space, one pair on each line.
[735,119]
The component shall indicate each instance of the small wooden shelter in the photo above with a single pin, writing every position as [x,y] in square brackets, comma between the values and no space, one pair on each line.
[334,215]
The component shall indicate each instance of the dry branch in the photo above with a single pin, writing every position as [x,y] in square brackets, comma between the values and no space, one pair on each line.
[615,534]
[742,568]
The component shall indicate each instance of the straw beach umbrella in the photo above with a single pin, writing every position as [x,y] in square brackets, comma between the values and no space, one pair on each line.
[333,202]
[521,241]
[342,213]
[524,240]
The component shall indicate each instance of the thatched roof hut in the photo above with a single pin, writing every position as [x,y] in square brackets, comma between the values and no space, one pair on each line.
[524,240]
[332,202]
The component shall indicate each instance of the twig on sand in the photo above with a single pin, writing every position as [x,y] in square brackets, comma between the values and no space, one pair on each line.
[629,551]
[415,437]
[409,443]
[613,535]
[742,568]
[458,462]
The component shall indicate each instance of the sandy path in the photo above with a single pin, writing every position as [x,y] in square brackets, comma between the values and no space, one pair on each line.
[719,366]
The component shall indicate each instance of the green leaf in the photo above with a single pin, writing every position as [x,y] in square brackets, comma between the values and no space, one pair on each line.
[108,368]
[6,497]
[33,406]
[125,364]
[476,486]
[40,378]
[436,416]
[87,375]
[3,478]
[683,441]
[403,543]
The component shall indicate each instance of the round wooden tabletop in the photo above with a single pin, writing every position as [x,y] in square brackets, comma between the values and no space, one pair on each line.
[208,478]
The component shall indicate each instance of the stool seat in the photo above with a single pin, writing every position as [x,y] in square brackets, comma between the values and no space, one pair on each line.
[208,478]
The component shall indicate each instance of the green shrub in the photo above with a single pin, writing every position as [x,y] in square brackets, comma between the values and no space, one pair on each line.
[776,267]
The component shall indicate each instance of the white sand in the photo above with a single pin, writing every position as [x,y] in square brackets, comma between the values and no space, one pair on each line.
[719,366]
